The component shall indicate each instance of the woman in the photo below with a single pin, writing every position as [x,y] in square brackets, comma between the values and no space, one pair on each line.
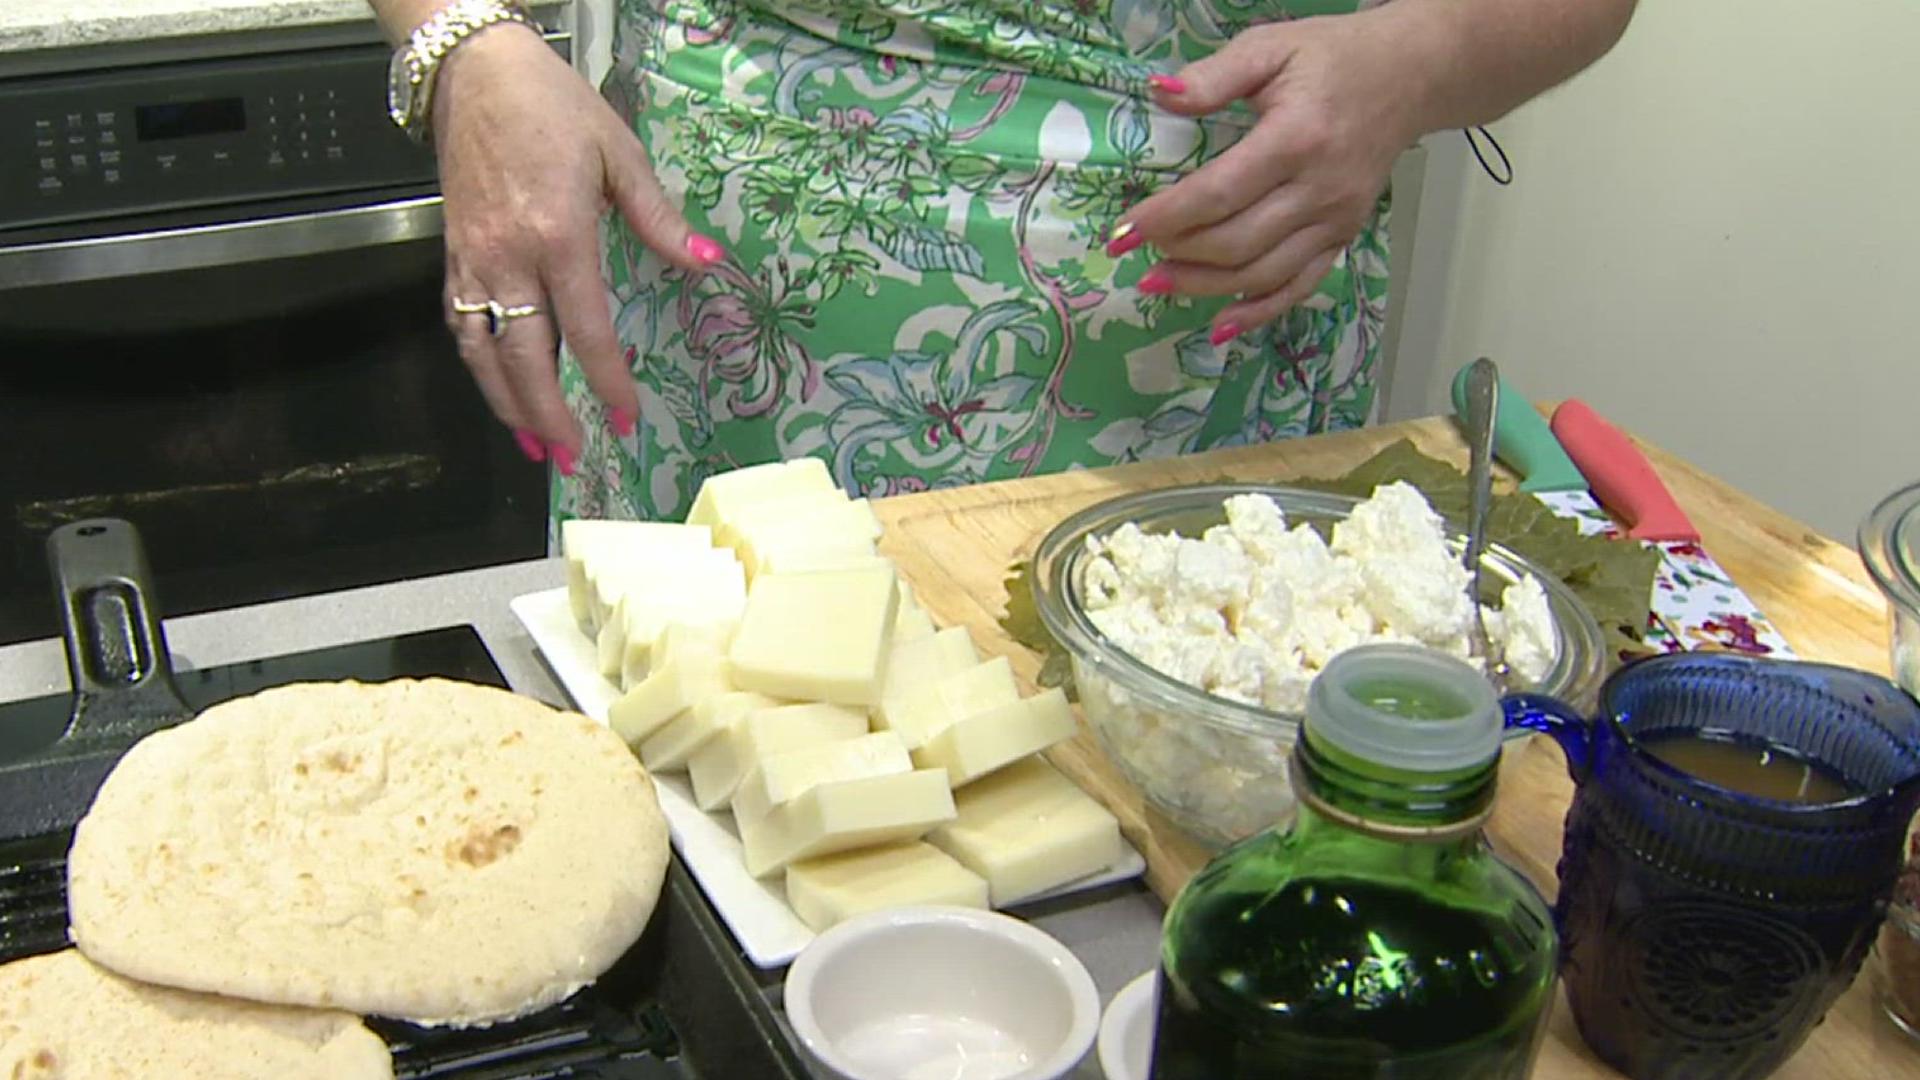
[940,243]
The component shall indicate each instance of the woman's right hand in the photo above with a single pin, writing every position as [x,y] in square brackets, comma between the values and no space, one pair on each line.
[530,157]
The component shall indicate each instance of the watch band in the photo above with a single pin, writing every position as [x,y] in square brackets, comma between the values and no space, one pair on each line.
[412,75]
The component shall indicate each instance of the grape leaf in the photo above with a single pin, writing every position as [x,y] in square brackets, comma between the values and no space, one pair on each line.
[1612,577]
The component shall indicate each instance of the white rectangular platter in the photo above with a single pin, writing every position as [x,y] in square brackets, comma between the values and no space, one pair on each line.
[755,910]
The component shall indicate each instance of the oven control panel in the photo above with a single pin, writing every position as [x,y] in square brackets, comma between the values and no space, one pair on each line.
[203,133]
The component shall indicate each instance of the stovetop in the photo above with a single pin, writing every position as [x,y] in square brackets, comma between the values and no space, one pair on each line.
[453,652]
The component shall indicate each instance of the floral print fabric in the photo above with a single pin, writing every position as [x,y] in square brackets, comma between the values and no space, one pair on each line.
[914,197]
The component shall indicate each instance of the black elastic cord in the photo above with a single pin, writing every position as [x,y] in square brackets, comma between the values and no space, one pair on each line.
[1505,174]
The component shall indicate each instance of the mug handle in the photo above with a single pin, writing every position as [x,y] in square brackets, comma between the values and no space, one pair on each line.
[1553,717]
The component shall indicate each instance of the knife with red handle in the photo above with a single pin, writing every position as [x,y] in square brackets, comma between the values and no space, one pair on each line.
[1696,597]
[1620,475]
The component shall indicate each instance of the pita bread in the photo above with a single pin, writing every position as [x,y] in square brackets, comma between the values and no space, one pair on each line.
[61,1016]
[435,851]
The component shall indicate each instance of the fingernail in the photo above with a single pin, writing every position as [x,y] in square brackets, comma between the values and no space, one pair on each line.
[706,249]
[530,446]
[1224,333]
[1124,239]
[1156,281]
[562,458]
[1167,84]
[621,420]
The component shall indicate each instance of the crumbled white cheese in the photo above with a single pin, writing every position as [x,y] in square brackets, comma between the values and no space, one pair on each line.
[1251,611]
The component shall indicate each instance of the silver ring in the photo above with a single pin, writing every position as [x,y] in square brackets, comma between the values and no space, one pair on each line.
[497,313]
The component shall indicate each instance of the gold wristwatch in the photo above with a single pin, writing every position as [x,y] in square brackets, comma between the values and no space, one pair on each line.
[411,75]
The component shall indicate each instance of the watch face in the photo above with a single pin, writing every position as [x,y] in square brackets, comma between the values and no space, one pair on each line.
[400,89]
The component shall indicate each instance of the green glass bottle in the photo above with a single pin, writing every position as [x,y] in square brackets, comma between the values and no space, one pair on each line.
[1376,934]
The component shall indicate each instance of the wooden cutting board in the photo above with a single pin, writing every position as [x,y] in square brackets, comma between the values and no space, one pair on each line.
[955,547]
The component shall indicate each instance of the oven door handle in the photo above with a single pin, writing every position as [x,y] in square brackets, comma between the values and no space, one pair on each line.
[63,262]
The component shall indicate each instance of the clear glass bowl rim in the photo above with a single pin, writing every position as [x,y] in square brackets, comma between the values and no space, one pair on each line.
[1887,542]
[1574,677]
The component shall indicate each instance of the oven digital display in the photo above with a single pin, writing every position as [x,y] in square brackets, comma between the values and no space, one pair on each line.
[212,116]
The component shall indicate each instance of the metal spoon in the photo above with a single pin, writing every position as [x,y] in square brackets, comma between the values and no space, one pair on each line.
[1483,404]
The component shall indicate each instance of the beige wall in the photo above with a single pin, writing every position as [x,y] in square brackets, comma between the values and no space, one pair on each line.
[1714,239]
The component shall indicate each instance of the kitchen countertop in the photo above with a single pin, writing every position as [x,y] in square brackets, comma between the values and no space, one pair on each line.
[60,24]
[954,545]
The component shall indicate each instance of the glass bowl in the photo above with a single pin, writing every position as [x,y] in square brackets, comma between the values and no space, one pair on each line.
[1890,546]
[1216,767]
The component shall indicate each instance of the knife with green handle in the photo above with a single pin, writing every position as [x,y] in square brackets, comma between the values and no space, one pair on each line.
[1524,442]
[1694,603]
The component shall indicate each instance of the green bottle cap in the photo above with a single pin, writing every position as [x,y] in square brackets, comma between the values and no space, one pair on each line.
[1405,707]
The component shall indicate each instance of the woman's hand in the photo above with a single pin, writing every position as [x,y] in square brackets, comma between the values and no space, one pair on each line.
[1337,98]
[530,157]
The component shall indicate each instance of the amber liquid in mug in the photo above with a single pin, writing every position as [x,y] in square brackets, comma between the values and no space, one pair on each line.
[1762,769]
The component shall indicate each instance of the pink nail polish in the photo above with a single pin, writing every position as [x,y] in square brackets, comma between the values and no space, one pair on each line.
[1156,282]
[706,249]
[621,420]
[530,446]
[562,459]
[1167,84]
[1224,333]
[1124,239]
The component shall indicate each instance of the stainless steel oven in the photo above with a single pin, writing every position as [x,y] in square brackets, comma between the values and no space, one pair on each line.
[220,318]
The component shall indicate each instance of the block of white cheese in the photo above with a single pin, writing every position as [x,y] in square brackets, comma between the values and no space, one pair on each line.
[1027,829]
[920,712]
[783,776]
[832,888]
[585,543]
[724,494]
[691,671]
[921,662]
[713,594]
[912,622]
[849,526]
[708,585]
[679,738]
[800,560]
[844,815]
[972,747]
[717,767]
[818,636]
[778,512]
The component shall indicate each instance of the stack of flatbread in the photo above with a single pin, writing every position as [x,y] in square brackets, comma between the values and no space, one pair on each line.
[246,883]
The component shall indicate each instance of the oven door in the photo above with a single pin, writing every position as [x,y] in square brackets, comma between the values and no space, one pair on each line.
[273,400]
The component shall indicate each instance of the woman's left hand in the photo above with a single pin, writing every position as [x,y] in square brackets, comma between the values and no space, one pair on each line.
[1338,98]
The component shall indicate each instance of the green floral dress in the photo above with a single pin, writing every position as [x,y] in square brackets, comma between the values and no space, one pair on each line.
[914,196]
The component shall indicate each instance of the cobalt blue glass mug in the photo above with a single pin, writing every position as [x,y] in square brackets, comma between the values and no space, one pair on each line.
[1704,931]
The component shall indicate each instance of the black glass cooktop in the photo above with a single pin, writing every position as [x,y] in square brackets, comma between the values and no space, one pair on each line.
[453,652]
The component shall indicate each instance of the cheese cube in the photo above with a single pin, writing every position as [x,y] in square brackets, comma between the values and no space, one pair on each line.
[829,889]
[784,776]
[705,586]
[689,674]
[844,526]
[781,511]
[801,560]
[717,768]
[804,547]
[977,745]
[918,713]
[588,544]
[911,623]
[1027,829]
[819,636]
[847,814]
[722,495]
[712,599]
[679,738]
[612,573]
[924,661]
